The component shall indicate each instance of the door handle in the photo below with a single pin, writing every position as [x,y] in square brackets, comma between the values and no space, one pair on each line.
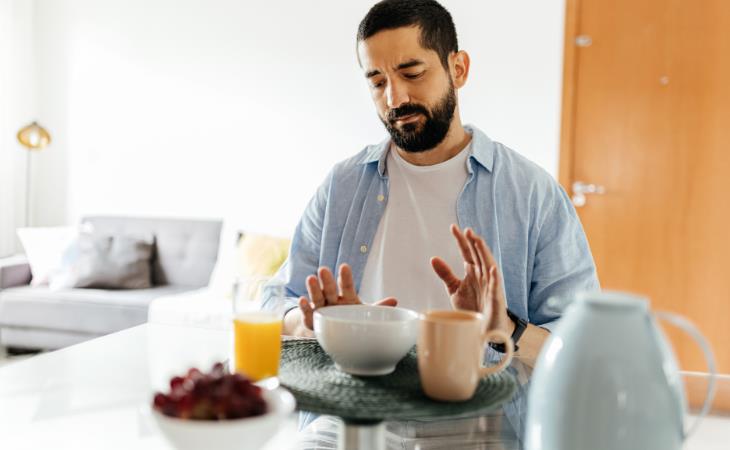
[580,189]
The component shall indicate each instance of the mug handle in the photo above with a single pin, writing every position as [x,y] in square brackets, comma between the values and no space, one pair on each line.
[687,326]
[488,336]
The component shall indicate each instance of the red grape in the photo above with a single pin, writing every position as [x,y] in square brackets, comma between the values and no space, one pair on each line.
[160,400]
[219,369]
[217,395]
[175,382]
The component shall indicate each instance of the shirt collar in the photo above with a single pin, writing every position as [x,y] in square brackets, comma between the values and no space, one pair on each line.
[482,150]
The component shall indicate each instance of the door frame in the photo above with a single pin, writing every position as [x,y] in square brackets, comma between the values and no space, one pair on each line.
[567,114]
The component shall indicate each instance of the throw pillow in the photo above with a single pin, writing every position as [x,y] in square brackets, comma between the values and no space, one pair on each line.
[260,254]
[105,261]
[44,247]
[252,254]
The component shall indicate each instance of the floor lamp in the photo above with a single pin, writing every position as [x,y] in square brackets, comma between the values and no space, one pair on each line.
[34,138]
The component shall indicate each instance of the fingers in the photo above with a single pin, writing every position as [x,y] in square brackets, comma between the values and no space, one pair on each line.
[475,285]
[323,289]
[492,303]
[464,247]
[307,312]
[486,253]
[487,259]
[315,292]
[491,291]
[492,286]
[329,286]
[446,274]
[495,283]
[469,270]
[390,301]
[347,285]
[481,263]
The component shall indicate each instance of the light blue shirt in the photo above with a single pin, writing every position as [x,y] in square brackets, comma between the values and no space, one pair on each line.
[524,215]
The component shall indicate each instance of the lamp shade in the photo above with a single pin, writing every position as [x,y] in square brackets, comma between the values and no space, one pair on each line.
[34,137]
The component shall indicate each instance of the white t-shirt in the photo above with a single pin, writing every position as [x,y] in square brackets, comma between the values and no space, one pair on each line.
[415,227]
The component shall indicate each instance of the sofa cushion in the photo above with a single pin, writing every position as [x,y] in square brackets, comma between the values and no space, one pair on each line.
[105,261]
[185,250]
[92,311]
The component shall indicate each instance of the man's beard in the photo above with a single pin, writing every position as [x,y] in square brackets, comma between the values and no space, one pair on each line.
[414,138]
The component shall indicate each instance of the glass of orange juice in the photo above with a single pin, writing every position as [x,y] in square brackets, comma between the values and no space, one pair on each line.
[256,333]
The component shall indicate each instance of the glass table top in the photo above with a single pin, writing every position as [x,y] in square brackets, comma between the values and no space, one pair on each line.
[96,395]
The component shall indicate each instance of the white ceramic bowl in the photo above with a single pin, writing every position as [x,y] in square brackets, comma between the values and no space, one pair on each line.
[235,434]
[366,339]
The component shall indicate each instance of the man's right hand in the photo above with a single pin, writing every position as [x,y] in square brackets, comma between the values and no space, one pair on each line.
[325,291]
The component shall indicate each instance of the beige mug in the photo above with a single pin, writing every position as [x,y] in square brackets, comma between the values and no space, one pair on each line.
[450,353]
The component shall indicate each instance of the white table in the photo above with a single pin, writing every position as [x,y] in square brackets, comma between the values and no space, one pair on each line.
[95,395]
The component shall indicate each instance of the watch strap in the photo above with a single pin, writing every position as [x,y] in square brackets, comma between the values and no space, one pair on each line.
[520,327]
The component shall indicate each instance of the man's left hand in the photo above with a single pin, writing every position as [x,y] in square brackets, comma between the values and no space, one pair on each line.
[481,289]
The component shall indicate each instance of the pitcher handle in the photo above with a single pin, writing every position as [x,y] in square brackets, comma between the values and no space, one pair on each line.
[687,326]
[505,338]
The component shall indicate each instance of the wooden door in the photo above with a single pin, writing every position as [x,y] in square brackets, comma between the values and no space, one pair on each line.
[646,115]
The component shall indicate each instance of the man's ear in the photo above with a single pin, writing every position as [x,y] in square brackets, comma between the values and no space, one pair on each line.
[459,65]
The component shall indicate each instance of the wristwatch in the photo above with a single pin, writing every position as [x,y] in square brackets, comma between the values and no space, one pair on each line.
[520,326]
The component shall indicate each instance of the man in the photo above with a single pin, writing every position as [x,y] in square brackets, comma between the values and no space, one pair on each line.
[387,217]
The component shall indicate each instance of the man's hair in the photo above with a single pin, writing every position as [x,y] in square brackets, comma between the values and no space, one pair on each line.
[437,28]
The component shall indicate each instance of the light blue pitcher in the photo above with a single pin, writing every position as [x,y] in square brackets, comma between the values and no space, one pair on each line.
[607,379]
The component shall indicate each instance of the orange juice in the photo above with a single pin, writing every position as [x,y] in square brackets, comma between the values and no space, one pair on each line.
[257,344]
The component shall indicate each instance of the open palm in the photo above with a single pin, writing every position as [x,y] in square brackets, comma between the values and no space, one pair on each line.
[481,289]
[325,291]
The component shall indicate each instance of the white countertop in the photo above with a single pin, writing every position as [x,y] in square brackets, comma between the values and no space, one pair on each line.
[95,395]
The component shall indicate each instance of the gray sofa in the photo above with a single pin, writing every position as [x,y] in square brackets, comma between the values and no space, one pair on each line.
[35,317]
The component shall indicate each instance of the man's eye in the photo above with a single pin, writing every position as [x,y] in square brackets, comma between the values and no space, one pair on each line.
[413,76]
[378,84]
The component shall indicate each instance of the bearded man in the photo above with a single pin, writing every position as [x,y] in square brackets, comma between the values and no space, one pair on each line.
[438,215]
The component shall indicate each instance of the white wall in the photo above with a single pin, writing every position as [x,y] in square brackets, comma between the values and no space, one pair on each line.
[17,108]
[238,109]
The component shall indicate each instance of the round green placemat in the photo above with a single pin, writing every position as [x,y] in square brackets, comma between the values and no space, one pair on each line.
[318,386]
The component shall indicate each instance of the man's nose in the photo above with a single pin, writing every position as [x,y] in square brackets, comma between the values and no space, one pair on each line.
[396,94]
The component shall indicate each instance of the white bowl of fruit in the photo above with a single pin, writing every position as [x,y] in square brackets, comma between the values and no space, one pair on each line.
[219,410]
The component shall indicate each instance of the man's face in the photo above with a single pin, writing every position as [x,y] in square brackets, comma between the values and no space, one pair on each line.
[414,94]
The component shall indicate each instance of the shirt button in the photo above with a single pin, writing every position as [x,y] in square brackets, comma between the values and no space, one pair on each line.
[363,249]
[381,197]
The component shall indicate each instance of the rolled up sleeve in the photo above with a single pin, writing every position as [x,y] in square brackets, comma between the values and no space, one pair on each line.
[563,264]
